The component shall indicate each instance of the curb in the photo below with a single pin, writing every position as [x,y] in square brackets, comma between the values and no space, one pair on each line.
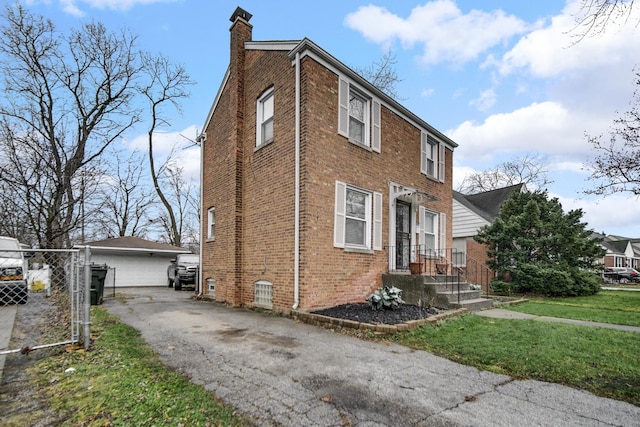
[382,329]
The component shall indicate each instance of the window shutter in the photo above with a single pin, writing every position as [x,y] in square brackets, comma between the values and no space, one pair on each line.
[377,221]
[375,125]
[423,152]
[443,231]
[339,214]
[441,170]
[343,107]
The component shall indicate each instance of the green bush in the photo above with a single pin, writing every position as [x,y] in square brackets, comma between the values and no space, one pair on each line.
[385,298]
[537,280]
[501,287]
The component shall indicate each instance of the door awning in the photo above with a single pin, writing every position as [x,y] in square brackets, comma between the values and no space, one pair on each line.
[416,196]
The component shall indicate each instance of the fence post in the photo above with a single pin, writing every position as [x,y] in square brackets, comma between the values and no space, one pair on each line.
[87,296]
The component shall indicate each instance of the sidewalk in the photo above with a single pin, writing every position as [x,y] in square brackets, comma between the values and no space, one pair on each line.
[500,313]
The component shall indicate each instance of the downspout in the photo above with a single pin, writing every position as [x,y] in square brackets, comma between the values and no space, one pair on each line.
[296,226]
[201,139]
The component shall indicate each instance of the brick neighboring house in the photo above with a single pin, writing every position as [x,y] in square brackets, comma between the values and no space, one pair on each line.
[314,182]
[470,213]
[620,251]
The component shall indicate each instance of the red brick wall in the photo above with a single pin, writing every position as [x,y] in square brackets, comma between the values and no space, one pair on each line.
[477,256]
[253,189]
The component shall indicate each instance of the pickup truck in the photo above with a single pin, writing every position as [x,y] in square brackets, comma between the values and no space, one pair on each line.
[183,270]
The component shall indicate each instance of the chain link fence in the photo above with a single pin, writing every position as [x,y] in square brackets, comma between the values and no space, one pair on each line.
[44,298]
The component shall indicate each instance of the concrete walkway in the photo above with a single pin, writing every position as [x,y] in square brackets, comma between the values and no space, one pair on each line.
[499,313]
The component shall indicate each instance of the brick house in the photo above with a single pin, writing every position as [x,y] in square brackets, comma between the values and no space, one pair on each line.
[620,251]
[314,182]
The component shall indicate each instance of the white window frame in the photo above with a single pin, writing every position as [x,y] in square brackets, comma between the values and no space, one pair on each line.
[372,133]
[261,120]
[211,224]
[372,218]
[422,238]
[428,155]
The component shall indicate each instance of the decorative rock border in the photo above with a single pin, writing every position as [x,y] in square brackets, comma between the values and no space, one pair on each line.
[383,329]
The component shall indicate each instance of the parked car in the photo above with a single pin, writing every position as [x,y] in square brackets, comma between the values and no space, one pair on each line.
[13,272]
[621,274]
[183,270]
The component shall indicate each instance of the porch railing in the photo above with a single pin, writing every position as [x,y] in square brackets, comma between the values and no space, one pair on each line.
[446,266]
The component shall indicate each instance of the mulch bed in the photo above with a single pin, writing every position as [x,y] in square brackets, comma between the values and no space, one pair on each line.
[363,313]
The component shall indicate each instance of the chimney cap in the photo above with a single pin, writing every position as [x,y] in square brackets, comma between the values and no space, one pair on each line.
[240,13]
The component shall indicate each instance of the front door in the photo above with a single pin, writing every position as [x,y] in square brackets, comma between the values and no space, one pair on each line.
[403,235]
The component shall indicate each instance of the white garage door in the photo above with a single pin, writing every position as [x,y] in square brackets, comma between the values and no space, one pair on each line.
[136,270]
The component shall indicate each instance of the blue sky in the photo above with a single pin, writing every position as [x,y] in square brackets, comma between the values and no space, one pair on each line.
[502,78]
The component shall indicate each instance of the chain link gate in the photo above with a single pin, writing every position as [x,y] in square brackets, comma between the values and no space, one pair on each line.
[44,298]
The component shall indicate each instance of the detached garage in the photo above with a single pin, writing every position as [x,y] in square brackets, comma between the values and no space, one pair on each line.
[136,261]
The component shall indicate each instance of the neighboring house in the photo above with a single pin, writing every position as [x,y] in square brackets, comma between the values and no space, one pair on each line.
[620,251]
[470,213]
[137,262]
[314,182]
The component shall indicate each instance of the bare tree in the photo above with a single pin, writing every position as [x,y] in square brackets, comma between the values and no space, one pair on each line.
[617,167]
[127,201]
[165,86]
[382,74]
[529,169]
[182,196]
[596,15]
[65,100]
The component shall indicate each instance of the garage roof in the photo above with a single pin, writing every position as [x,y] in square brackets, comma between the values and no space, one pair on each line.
[134,244]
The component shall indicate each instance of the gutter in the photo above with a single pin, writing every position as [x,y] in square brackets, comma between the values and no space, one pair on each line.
[296,233]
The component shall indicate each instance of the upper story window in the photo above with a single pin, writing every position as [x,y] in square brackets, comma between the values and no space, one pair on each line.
[358,115]
[264,114]
[432,155]
[211,223]
[358,107]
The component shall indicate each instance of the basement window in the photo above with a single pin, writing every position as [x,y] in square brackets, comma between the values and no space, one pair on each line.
[263,296]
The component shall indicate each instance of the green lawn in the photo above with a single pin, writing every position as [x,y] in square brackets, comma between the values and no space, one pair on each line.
[121,382]
[603,361]
[619,307]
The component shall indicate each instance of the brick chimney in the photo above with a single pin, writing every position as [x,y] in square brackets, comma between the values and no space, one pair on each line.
[240,33]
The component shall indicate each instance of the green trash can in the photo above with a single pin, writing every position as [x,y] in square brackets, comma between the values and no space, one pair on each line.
[98,274]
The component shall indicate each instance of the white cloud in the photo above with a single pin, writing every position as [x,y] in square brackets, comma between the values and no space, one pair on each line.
[552,51]
[616,214]
[546,127]
[445,33]
[72,6]
[186,154]
[427,92]
[485,101]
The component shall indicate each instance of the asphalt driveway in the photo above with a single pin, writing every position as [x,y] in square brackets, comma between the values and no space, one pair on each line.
[279,372]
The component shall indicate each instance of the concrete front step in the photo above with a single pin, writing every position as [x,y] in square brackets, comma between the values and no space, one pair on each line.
[463,295]
[476,304]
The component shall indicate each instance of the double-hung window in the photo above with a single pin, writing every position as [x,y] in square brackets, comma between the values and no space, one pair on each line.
[428,155]
[264,114]
[211,223]
[358,107]
[359,115]
[358,218]
[432,157]
[433,227]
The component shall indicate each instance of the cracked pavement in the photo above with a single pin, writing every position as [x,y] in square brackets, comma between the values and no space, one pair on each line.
[278,372]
